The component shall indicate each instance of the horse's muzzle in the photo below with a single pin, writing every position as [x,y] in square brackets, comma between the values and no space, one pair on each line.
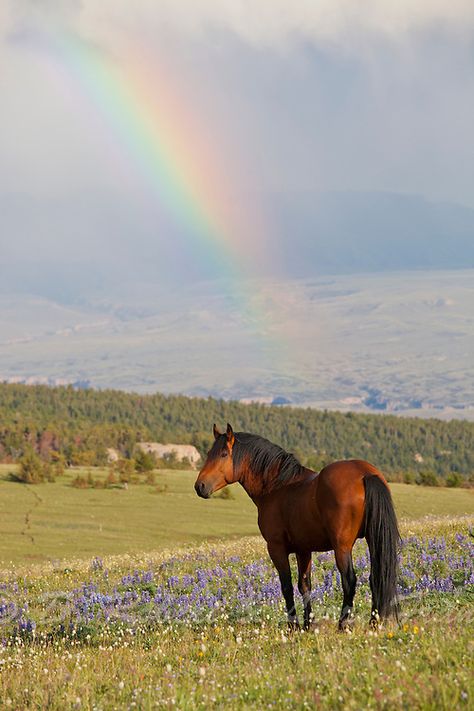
[202,489]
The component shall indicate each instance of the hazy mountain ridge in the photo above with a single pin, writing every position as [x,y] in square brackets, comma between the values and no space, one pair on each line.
[309,234]
[347,232]
[392,342]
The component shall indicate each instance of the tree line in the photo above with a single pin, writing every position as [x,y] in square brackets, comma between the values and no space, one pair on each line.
[77,427]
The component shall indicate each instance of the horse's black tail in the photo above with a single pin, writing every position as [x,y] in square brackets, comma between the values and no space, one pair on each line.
[383,539]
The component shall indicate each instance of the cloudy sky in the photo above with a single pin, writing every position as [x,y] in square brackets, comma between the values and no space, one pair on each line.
[249,99]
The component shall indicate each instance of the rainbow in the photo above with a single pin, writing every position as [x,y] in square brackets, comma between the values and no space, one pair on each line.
[157,138]
[163,141]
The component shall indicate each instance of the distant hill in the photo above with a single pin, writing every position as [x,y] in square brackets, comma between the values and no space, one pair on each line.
[82,424]
[398,342]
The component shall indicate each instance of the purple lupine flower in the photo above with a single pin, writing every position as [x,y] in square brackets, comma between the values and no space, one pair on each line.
[206,590]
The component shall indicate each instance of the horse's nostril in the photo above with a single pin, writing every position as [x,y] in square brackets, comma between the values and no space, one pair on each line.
[199,486]
[203,488]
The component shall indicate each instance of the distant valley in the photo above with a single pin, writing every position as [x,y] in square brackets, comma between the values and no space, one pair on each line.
[398,342]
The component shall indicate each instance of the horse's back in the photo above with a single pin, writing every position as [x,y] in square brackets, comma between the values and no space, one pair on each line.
[347,472]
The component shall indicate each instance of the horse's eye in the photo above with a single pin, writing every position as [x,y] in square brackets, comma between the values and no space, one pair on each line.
[224,453]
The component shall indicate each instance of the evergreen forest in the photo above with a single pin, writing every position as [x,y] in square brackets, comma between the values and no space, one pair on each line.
[79,425]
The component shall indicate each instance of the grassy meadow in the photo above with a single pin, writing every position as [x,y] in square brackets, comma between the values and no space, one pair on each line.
[152,598]
[56,521]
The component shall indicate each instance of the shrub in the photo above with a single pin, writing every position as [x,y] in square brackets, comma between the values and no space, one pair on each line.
[396,477]
[58,468]
[427,478]
[81,482]
[151,478]
[454,480]
[86,458]
[123,471]
[111,480]
[144,461]
[57,459]
[33,470]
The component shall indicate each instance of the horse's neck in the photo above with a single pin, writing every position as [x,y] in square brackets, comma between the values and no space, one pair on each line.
[258,486]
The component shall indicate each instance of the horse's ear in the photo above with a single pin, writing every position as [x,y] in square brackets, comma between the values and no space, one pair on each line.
[230,435]
[216,432]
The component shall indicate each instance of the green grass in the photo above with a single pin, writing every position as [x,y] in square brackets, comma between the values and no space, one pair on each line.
[56,521]
[65,522]
[426,662]
[428,666]
[414,502]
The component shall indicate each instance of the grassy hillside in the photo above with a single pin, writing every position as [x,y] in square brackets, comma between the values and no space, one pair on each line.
[81,424]
[204,628]
[57,521]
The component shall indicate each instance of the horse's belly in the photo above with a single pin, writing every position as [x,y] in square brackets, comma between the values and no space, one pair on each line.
[294,520]
[307,535]
[305,530]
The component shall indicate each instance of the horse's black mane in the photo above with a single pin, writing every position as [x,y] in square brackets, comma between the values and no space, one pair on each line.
[263,456]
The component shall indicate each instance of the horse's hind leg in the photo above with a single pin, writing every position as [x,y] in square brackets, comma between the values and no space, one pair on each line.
[348,578]
[279,556]
[304,584]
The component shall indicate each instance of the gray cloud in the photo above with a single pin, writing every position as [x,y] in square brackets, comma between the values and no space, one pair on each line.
[264,23]
[293,97]
[272,22]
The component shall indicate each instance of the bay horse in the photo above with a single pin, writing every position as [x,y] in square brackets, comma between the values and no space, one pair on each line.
[301,511]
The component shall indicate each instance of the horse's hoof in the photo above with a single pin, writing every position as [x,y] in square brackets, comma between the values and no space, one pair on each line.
[294,626]
[346,619]
[374,620]
[346,624]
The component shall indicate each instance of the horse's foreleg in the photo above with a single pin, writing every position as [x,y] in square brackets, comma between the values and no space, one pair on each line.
[279,556]
[348,579]
[304,584]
